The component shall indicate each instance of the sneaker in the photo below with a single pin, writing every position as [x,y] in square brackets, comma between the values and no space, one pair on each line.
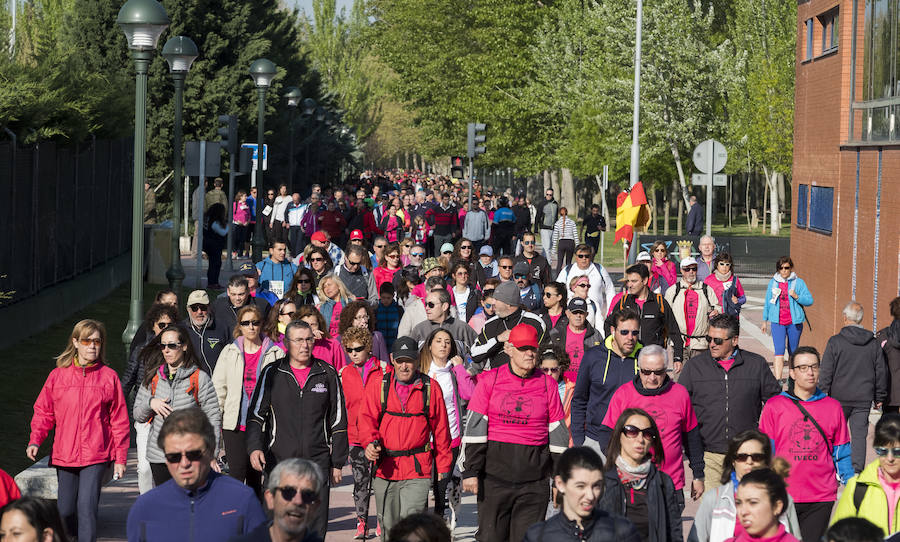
[362,530]
[377,529]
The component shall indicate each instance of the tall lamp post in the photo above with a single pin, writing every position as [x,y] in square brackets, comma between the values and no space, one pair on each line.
[292,96]
[636,120]
[262,71]
[143,22]
[180,53]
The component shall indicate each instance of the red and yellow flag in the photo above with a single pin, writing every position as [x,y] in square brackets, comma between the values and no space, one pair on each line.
[631,212]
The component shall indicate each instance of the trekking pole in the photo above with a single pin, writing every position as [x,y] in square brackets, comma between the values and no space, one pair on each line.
[373,467]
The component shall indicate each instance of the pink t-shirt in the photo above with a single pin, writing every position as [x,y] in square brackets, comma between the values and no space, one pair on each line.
[727,363]
[691,303]
[673,413]
[795,438]
[251,362]
[784,305]
[892,492]
[330,351]
[334,327]
[301,374]
[575,349]
[554,319]
[519,410]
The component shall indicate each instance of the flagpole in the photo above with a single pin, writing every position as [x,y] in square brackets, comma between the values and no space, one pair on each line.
[636,114]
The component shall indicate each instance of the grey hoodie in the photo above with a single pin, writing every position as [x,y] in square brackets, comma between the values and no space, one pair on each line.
[853,368]
[476,226]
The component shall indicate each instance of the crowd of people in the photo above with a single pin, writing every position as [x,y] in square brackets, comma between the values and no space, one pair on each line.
[437,349]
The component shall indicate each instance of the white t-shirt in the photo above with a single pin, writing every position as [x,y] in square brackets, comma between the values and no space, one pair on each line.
[461,300]
[445,379]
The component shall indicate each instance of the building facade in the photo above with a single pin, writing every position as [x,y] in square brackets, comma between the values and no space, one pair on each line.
[845,232]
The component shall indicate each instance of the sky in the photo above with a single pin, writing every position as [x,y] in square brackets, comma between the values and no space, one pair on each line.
[306,5]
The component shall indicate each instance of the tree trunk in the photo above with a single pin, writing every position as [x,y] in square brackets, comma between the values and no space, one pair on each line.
[547,182]
[681,181]
[775,213]
[680,216]
[554,183]
[653,210]
[765,197]
[747,198]
[567,192]
[667,207]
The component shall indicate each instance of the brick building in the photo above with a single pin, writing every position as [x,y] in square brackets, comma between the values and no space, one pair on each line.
[845,233]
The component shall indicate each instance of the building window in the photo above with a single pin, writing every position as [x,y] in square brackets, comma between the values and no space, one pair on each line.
[880,95]
[821,209]
[829,22]
[802,205]
[809,39]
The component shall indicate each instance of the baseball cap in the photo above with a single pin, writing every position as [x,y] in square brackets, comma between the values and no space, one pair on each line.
[319,236]
[248,269]
[446,247]
[405,348]
[356,234]
[198,296]
[486,250]
[688,261]
[578,305]
[522,336]
[521,268]
[643,256]
[508,292]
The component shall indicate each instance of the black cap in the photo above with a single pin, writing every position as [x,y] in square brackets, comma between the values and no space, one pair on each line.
[578,305]
[405,348]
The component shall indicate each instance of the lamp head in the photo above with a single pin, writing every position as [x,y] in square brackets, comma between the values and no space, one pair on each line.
[293,96]
[309,106]
[180,52]
[143,22]
[263,71]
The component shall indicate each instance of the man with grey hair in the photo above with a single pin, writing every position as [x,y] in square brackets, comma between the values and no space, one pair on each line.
[705,262]
[360,282]
[670,405]
[853,371]
[437,310]
[293,496]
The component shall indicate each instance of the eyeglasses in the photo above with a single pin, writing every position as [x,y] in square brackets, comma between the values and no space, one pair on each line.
[648,372]
[161,325]
[632,431]
[247,323]
[288,493]
[291,314]
[462,273]
[317,259]
[431,304]
[351,262]
[520,275]
[416,254]
[487,293]
[627,332]
[197,307]
[660,249]
[726,264]
[583,256]
[785,268]
[380,246]
[743,458]
[527,242]
[191,455]
[882,452]
[717,340]
[303,340]
[548,370]
[88,342]
[806,368]
[391,256]
[689,269]
[169,346]
[303,281]
[351,350]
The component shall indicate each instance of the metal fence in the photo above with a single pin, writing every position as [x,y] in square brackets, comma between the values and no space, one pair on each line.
[63,211]
[753,256]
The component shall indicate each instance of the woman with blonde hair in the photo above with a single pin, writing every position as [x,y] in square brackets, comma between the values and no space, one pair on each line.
[324,348]
[82,400]
[333,296]
[235,377]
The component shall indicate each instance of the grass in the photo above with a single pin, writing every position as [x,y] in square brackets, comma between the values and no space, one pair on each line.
[27,364]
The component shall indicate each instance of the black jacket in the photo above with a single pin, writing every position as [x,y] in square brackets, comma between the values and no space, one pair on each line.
[658,324]
[727,403]
[694,222]
[261,534]
[889,339]
[226,314]
[593,225]
[523,219]
[286,421]
[540,269]
[134,371]
[487,352]
[600,527]
[664,512]
[557,336]
[853,368]
[208,341]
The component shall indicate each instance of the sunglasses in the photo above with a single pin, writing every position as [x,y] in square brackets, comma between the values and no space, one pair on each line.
[161,325]
[548,370]
[317,259]
[465,247]
[583,285]
[487,293]
[196,307]
[520,276]
[351,350]
[169,346]
[548,295]
[690,268]
[291,314]
[351,262]
[648,372]
[489,306]
[304,281]
[88,342]
[632,431]
[785,268]
[447,252]
[416,254]
[627,332]
[506,267]
[757,458]
[380,246]
[288,493]
[726,264]
[247,323]
[527,242]
[881,451]
[391,256]
[431,304]
[191,455]
[583,256]
[660,250]
[718,340]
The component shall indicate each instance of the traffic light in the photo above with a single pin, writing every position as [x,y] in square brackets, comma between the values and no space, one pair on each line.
[457,170]
[228,133]
[475,138]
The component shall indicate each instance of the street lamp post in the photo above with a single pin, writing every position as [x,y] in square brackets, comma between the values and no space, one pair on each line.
[292,96]
[180,53]
[262,71]
[143,22]
[636,119]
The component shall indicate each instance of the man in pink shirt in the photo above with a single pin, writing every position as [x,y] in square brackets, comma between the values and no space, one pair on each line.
[670,405]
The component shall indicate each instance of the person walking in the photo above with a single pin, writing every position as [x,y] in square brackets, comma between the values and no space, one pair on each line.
[854,372]
[215,233]
[693,305]
[591,227]
[725,284]
[82,401]
[785,310]
[695,218]
[661,265]
[477,227]
[565,234]
[208,336]
[602,289]
[761,498]
[889,339]
[545,219]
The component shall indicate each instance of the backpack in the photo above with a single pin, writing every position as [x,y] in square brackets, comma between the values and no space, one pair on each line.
[386,381]
[193,387]
[662,312]
[859,493]
[597,266]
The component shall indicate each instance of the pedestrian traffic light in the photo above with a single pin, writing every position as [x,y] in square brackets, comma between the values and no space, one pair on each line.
[228,133]
[475,138]
[457,170]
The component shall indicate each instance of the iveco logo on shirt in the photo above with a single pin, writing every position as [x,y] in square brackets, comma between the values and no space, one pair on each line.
[320,388]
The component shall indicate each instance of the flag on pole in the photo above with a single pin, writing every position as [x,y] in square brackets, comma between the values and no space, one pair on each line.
[631,212]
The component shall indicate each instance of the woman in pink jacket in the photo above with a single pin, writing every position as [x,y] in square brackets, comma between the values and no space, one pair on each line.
[662,265]
[82,399]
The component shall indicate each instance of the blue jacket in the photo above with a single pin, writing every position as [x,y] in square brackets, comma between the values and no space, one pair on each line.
[804,299]
[601,373]
[504,214]
[217,511]
[269,270]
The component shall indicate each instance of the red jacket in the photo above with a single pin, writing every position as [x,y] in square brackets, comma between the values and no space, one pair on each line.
[332,222]
[370,227]
[355,392]
[401,433]
[9,491]
[87,408]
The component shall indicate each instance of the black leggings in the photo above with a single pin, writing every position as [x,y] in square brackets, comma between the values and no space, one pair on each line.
[565,249]
[439,487]
[238,459]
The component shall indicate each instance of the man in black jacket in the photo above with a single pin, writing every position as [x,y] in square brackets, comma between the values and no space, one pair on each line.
[854,371]
[538,266]
[208,336]
[593,224]
[225,308]
[488,349]
[547,213]
[694,222]
[728,387]
[523,221]
[303,398]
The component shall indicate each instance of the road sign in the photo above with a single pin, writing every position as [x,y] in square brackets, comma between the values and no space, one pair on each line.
[702,179]
[710,152]
[211,167]
[255,148]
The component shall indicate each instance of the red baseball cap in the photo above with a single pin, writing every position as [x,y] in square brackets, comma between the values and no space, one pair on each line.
[523,336]
[319,236]
[356,234]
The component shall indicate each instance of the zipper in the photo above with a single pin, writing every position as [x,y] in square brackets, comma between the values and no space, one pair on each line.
[727,435]
[191,530]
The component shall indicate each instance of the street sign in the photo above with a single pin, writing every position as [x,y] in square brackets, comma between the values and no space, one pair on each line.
[255,148]
[213,163]
[710,152]
[702,179]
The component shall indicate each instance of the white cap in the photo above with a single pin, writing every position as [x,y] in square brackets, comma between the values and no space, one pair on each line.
[688,261]
[643,256]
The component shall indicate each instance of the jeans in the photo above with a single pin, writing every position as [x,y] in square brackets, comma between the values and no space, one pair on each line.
[295,234]
[791,331]
[546,242]
[78,498]
[858,419]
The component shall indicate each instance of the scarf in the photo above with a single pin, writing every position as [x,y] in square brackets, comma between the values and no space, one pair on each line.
[723,276]
[633,477]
